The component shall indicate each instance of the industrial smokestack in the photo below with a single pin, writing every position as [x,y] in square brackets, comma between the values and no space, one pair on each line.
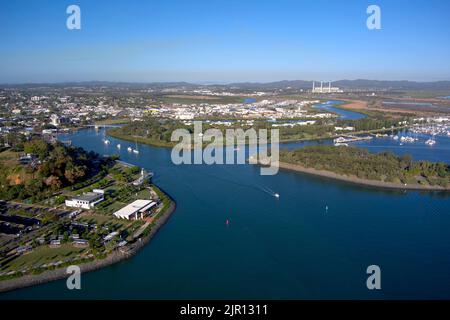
[314,86]
[321,86]
[329,87]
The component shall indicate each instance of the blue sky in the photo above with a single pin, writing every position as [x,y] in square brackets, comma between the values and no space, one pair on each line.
[223,41]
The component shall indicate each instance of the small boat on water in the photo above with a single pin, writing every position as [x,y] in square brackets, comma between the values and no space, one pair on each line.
[106,141]
[136,150]
[276,195]
[129,149]
[118,146]
[431,142]
[408,139]
[381,135]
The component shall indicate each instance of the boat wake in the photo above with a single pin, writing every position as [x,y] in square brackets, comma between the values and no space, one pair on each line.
[269,191]
[240,184]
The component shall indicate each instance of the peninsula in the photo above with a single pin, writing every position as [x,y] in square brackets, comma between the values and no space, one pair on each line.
[64,206]
[357,165]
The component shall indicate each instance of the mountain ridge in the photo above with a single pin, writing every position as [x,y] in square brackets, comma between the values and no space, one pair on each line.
[361,84]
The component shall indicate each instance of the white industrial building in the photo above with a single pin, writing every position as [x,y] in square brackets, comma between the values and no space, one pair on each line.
[135,210]
[87,200]
[326,89]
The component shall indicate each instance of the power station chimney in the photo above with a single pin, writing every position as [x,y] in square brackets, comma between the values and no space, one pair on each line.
[314,86]
[321,86]
[329,87]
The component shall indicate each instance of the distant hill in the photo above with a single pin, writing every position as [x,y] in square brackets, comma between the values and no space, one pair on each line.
[361,84]
[393,85]
[112,84]
[294,84]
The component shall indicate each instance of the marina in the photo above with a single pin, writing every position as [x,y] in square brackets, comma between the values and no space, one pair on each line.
[433,129]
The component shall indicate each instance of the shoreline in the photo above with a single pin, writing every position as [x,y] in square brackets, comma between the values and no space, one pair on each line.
[353,179]
[113,258]
[284,141]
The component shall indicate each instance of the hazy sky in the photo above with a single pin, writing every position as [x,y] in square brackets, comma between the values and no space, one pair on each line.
[223,41]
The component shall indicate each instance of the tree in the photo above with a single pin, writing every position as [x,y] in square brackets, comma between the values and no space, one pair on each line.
[59,200]
[74,173]
[53,182]
[37,147]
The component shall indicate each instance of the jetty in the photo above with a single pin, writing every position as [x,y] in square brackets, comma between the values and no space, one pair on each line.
[350,138]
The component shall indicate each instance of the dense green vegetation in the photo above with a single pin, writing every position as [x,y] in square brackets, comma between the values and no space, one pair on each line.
[53,167]
[371,123]
[383,166]
[151,131]
[158,132]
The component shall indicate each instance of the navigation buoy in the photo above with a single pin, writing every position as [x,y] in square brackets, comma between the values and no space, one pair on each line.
[227,222]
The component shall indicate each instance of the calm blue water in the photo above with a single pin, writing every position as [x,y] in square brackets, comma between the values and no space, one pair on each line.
[291,248]
[418,150]
[333,106]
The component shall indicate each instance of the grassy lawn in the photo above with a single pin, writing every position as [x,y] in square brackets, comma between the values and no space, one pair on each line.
[43,254]
[112,188]
[100,219]
[8,155]
[95,218]
[143,194]
[113,207]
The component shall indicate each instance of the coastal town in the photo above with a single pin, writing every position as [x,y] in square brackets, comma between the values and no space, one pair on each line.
[47,112]
[223,159]
[62,206]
